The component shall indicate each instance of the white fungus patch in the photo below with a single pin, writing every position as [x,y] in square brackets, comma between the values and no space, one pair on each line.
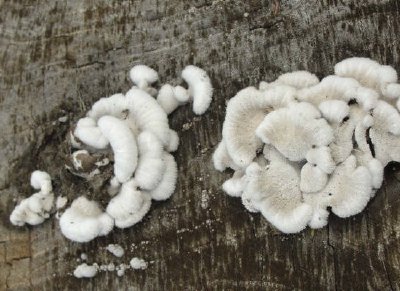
[116,250]
[300,146]
[138,264]
[132,128]
[85,271]
[36,208]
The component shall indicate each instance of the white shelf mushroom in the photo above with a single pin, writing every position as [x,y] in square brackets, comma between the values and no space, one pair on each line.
[36,208]
[370,74]
[90,134]
[143,76]
[170,97]
[339,88]
[123,144]
[235,186]
[200,88]
[244,113]
[274,191]
[280,127]
[296,79]
[148,114]
[84,221]
[151,167]
[129,206]
[221,158]
[337,140]
[166,187]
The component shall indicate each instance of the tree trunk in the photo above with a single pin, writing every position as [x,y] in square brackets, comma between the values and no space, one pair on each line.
[58,57]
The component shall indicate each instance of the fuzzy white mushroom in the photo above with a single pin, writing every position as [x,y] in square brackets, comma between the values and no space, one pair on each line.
[221,158]
[90,134]
[339,88]
[170,97]
[143,76]
[296,79]
[384,133]
[274,191]
[280,127]
[313,179]
[167,185]
[350,188]
[129,206]
[370,74]
[115,105]
[200,88]
[151,167]
[84,220]
[36,208]
[234,186]
[334,110]
[244,113]
[123,144]
[147,114]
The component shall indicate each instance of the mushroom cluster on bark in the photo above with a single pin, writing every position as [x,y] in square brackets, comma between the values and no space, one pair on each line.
[299,146]
[131,132]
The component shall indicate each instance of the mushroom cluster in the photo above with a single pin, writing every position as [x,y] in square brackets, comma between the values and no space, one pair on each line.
[36,208]
[300,146]
[131,132]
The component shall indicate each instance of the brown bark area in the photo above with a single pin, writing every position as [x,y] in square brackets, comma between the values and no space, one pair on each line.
[58,56]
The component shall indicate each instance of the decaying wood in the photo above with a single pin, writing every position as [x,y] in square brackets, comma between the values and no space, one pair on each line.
[57,57]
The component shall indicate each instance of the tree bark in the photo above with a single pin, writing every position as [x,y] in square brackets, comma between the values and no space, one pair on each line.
[58,57]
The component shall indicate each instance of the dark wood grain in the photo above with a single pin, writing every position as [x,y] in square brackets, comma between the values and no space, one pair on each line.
[58,57]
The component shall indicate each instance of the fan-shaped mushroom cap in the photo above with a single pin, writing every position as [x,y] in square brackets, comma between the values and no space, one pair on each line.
[370,74]
[143,76]
[275,192]
[151,167]
[41,202]
[334,110]
[321,157]
[200,88]
[89,133]
[148,114]
[244,113]
[222,159]
[280,127]
[279,96]
[129,206]
[115,105]
[313,179]
[350,187]
[23,214]
[298,79]
[166,98]
[320,214]
[35,209]
[84,221]
[124,146]
[173,141]
[339,88]
[166,187]
[41,180]
[384,133]
[234,186]
[386,118]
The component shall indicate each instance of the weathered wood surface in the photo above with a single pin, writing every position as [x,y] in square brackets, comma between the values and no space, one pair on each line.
[57,56]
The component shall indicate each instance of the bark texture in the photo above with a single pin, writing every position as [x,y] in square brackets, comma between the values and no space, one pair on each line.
[58,57]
